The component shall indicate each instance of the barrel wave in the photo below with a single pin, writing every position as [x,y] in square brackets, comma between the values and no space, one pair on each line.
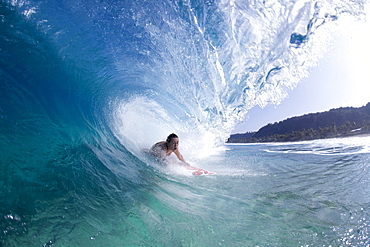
[86,85]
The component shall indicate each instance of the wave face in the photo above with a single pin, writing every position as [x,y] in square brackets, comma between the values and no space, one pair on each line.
[85,85]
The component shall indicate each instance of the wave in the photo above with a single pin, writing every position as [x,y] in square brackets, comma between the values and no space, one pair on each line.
[86,85]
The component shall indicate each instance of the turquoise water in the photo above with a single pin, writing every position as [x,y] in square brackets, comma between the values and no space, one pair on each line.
[303,194]
[87,85]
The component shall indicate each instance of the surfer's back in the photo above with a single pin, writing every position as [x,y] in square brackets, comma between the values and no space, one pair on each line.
[159,150]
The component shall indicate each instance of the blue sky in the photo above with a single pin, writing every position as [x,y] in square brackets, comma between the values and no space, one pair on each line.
[341,79]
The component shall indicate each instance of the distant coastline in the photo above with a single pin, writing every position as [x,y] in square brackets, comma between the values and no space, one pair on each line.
[336,123]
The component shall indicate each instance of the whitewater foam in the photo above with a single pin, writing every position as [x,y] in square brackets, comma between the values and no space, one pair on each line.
[336,146]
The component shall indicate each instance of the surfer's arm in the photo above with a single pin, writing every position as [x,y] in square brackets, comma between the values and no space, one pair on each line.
[198,171]
[185,164]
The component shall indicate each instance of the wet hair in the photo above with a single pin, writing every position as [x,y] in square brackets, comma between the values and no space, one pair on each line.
[171,136]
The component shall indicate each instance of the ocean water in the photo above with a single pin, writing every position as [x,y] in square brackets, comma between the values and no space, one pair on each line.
[87,85]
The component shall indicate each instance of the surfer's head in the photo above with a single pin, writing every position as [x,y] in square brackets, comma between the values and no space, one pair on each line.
[172,142]
[171,136]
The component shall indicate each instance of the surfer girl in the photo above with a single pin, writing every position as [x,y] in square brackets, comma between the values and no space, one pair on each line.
[165,148]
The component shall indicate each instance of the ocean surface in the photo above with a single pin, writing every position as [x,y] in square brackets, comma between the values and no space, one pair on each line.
[87,85]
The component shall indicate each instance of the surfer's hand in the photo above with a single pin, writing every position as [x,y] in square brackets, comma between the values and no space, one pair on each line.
[202,172]
[198,172]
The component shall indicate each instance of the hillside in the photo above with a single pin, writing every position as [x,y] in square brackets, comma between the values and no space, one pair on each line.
[338,122]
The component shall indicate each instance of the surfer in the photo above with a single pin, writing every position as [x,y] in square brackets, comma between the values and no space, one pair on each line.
[165,148]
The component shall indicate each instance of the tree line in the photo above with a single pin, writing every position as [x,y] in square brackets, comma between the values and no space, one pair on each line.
[339,122]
